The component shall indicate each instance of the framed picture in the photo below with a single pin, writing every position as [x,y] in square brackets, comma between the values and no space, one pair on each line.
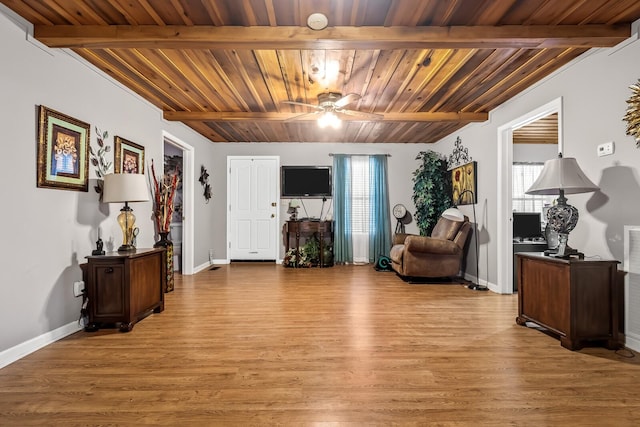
[129,156]
[63,151]
[464,182]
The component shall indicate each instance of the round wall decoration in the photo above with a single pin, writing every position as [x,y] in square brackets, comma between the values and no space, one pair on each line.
[399,211]
[633,113]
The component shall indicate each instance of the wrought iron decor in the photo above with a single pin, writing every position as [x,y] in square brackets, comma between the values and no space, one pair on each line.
[459,156]
[204,180]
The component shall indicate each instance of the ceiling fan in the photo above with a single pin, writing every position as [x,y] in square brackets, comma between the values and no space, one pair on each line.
[330,106]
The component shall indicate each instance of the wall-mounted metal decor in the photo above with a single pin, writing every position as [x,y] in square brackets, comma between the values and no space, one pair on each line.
[459,156]
[204,180]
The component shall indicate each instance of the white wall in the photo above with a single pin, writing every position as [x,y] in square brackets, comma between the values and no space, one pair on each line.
[594,89]
[48,232]
[534,153]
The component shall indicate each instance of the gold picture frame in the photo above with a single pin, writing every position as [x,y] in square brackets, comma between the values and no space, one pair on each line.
[63,151]
[129,156]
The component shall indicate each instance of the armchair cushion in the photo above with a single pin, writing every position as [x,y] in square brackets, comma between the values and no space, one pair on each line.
[430,245]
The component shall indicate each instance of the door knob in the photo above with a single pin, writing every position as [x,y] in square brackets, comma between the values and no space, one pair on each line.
[273,215]
[273,204]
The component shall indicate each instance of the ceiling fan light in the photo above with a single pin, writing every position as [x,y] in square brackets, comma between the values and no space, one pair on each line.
[329,119]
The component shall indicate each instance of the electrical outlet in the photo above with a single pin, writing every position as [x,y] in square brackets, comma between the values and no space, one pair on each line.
[605,149]
[78,288]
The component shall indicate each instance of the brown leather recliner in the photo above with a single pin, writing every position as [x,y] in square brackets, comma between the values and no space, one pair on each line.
[439,255]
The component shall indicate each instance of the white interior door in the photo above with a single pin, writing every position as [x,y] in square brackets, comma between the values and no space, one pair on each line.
[253,208]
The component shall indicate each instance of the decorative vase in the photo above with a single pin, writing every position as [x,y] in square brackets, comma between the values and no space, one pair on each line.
[164,242]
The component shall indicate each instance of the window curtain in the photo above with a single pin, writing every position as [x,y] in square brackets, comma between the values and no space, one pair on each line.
[380,221]
[362,225]
[342,243]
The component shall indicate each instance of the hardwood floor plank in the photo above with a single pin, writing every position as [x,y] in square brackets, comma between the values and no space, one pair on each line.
[260,344]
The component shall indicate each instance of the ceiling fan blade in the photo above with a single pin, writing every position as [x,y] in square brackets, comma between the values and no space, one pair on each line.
[315,107]
[355,113]
[347,99]
[303,116]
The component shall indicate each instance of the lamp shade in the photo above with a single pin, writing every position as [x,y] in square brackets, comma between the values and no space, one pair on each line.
[294,204]
[125,187]
[564,174]
[453,214]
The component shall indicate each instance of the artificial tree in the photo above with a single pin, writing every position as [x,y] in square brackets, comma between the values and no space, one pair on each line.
[431,190]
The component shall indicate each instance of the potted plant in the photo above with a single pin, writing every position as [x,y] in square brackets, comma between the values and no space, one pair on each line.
[431,190]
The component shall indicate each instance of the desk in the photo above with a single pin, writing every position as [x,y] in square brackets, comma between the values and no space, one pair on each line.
[574,299]
[306,229]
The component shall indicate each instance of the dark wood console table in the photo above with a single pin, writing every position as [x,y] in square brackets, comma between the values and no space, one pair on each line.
[574,299]
[123,288]
[324,229]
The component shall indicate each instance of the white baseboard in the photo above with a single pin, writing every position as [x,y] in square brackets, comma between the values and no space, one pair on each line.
[206,265]
[491,286]
[21,350]
[632,343]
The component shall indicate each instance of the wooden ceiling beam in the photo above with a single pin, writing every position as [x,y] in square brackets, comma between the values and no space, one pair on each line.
[210,116]
[367,37]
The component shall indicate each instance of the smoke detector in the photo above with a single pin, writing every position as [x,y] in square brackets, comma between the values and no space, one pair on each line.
[317,21]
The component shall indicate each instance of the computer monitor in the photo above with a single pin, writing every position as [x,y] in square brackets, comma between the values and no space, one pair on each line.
[526,225]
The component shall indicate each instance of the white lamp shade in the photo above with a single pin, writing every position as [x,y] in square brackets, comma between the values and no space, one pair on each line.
[453,214]
[125,187]
[294,203]
[562,173]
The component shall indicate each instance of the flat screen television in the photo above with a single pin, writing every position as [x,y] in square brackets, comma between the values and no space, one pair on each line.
[526,225]
[305,181]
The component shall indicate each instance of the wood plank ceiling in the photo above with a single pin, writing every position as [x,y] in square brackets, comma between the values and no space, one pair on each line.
[542,131]
[427,68]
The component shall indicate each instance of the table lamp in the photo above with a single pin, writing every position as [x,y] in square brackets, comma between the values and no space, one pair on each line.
[560,176]
[294,205]
[125,188]
[454,214]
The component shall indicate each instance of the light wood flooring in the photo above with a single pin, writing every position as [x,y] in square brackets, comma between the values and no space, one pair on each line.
[260,344]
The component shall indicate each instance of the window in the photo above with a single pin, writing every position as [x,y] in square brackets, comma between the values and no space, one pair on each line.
[362,225]
[523,175]
[360,205]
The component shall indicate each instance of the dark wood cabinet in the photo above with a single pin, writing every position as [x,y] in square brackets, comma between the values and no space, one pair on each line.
[123,288]
[306,229]
[574,299]
[525,246]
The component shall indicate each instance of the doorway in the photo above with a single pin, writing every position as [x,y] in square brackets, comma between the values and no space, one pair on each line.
[505,187]
[182,223]
[253,208]
[174,164]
